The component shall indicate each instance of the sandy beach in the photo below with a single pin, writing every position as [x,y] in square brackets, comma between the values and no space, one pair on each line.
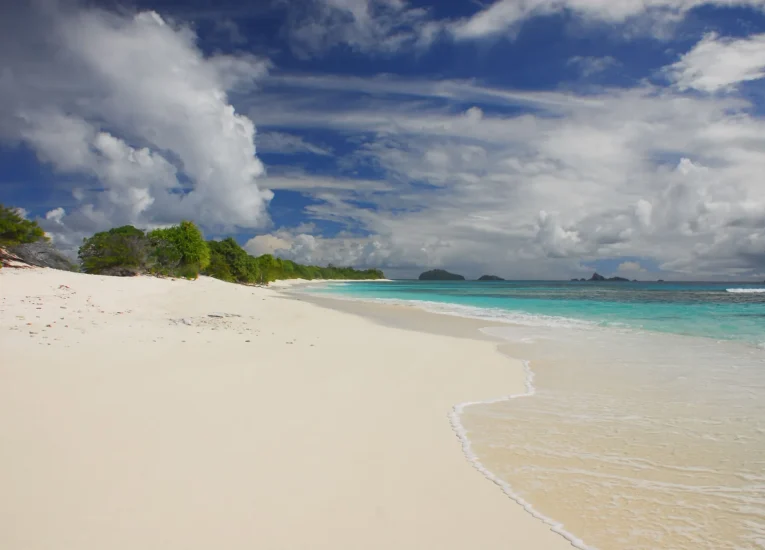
[148,413]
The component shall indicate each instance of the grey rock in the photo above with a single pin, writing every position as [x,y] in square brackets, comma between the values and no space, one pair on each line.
[43,254]
[121,271]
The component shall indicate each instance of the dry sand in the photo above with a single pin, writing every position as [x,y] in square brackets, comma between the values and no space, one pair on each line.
[132,419]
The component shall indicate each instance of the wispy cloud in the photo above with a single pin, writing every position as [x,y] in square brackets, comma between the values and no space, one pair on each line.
[370,26]
[589,66]
[504,16]
[287,144]
[720,64]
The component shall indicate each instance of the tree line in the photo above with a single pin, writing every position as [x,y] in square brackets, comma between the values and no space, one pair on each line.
[177,251]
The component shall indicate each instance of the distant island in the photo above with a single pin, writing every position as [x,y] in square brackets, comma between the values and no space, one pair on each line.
[598,278]
[490,278]
[440,275]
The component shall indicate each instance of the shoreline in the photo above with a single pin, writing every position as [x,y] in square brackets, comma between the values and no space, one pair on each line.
[289,283]
[463,327]
[579,380]
[376,466]
[455,326]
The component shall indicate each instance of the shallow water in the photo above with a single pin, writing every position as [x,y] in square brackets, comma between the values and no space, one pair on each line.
[714,310]
[634,438]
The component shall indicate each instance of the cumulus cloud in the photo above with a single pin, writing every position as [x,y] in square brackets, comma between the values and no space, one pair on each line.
[643,172]
[269,244]
[630,268]
[720,64]
[130,103]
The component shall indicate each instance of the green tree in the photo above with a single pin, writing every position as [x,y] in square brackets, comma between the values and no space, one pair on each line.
[122,247]
[219,269]
[179,250]
[239,266]
[268,268]
[16,230]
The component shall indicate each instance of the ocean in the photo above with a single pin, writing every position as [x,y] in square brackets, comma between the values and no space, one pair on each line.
[643,426]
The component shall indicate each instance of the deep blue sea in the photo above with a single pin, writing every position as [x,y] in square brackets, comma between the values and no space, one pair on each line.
[728,311]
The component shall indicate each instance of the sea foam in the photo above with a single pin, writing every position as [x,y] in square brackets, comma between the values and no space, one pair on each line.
[746,290]
[480,313]
[467,449]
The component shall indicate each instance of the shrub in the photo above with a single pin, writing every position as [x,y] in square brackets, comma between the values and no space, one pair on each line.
[218,267]
[230,262]
[179,251]
[16,230]
[123,248]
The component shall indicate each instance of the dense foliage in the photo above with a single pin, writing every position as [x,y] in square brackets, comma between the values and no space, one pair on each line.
[181,251]
[230,262]
[287,269]
[125,248]
[15,230]
[178,251]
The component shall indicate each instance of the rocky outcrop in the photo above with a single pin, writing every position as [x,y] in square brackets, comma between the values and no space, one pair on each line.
[440,275]
[596,277]
[11,260]
[43,254]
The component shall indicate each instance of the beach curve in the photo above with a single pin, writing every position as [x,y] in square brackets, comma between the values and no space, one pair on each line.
[234,416]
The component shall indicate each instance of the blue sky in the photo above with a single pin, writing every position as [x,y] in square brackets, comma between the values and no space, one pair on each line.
[531,139]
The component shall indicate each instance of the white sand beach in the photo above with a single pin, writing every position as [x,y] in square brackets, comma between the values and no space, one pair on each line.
[159,414]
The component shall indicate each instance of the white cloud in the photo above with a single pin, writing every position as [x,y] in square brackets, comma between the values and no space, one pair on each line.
[55,215]
[504,16]
[268,244]
[631,268]
[132,103]
[392,26]
[720,64]
[626,172]
[589,66]
[22,212]
[295,181]
[279,142]
[368,26]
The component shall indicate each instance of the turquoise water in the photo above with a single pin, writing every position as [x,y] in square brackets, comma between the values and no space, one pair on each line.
[643,424]
[727,311]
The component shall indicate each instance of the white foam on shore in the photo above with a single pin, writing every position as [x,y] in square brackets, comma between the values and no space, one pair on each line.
[746,290]
[479,313]
[459,413]
[505,316]
[467,450]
